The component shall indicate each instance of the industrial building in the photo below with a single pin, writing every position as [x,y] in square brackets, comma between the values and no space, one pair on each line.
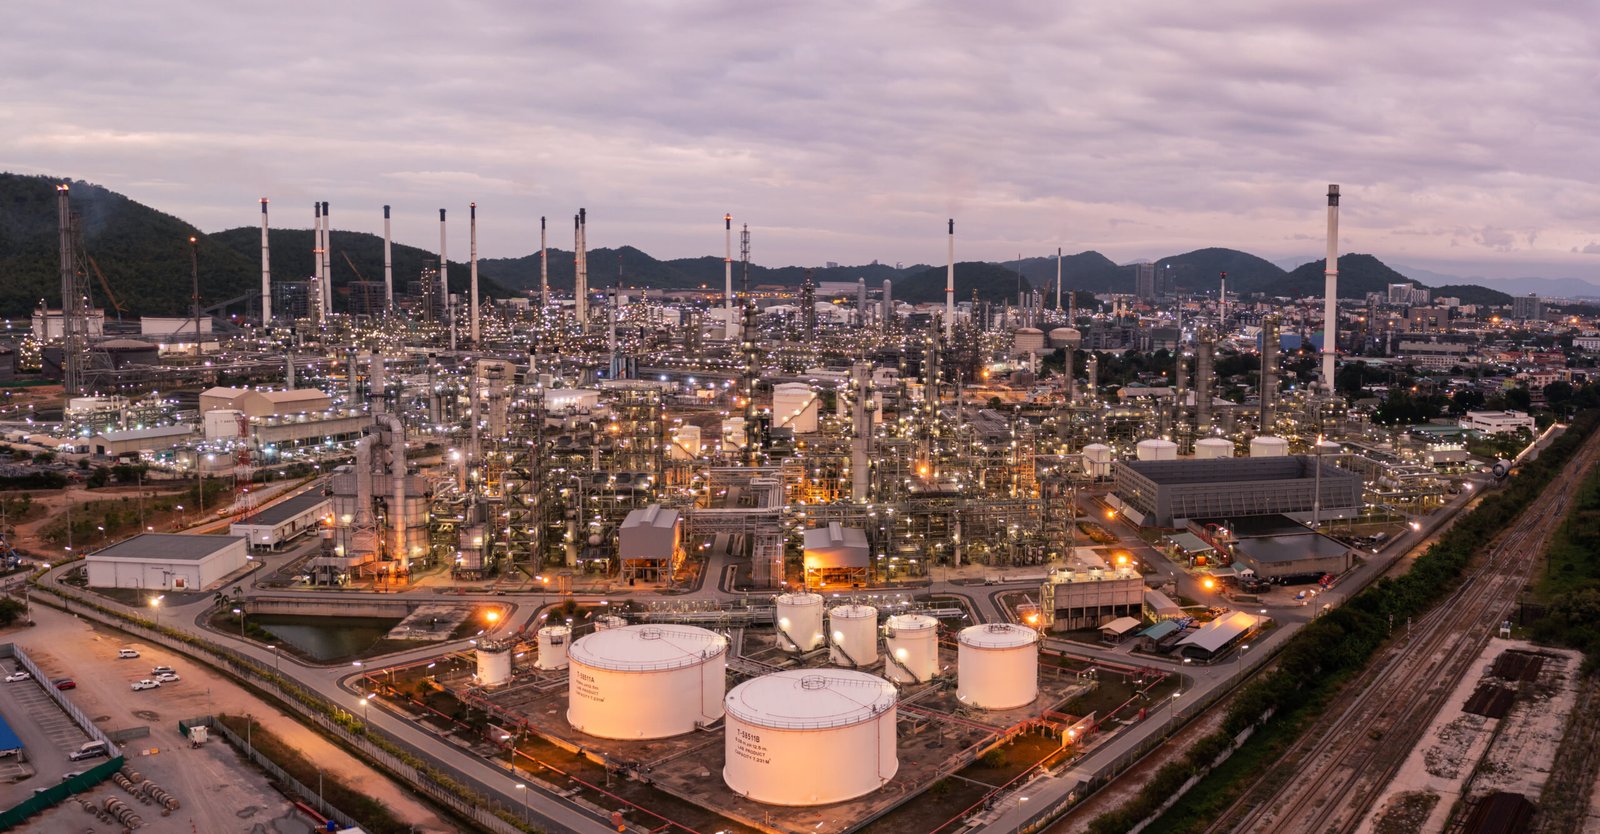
[167,562]
[284,521]
[1166,493]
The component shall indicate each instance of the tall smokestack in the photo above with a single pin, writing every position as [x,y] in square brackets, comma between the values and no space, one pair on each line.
[544,267]
[1330,308]
[316,251]
[1204,368]
[472,229]
[1092,369]
[1222,310]
[1058,279]
[388,265]
[950,289]
[266,270]
[581,260]
[888,303]
[444,283]
[861,302]
[1269,372]
[727,264]
[327,260]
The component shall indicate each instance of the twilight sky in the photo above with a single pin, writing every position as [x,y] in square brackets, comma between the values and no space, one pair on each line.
[1462,132]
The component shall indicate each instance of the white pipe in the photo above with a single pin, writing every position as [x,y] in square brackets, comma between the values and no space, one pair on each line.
[1330,309]
[727,263]
[950,289]
[363,513]
[472,228]
[388,265]
[266,270]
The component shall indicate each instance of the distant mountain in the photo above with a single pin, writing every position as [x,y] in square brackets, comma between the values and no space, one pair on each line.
[1200,270]
[1472,294]
[1358,275]
[292,261]
[992,282]
[1089,270]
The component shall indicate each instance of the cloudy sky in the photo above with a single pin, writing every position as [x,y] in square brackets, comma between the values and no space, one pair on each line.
[1463,133]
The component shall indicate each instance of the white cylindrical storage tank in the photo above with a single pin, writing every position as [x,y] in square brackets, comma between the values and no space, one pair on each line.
[912,641]
[854,633]
[552,641]
[794,405]
[1156,450]
[799,622]
[609,621]
[494,663]
[1066,337]
[1028,340]
[686,443]
[1212,448]
[646,681]
[810,737]
[997,666]
[1097,458]
[733,433]
[1267,446]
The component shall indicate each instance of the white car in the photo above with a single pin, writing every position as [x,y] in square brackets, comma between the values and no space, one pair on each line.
[17,676]
[163,670]
[144,684]
[168,677]
[123,654]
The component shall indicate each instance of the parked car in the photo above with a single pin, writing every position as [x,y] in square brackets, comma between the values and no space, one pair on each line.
[168,677]
[126,653]
[89,750]
[17,676]
[65,683]
[73,775]
[163,670]
[144,684]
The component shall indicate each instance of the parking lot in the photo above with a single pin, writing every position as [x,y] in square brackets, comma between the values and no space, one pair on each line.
[47,734]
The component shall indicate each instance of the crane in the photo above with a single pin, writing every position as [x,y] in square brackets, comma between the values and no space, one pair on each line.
[106,285]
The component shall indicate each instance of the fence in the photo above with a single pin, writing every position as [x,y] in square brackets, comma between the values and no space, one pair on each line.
[310,797]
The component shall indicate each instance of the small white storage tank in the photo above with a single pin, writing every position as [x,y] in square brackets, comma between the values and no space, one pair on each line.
[997,666]
[609,621]
[685,443]
[646,681]
[1156,450]
[733,433]
[854,629]
[1097,457]
[912,641]
[1267,446]
[1028,340]
[799,621]
[810,736]
[794,405]
[1066,337]
[494,663]
[1212,448]
[552,641]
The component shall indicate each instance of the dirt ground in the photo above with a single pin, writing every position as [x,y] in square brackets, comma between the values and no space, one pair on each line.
[218,791]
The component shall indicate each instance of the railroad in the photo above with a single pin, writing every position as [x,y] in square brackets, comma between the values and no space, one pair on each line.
[1339,767]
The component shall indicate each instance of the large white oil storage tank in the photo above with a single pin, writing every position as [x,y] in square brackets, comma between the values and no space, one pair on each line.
[997,666]
[1066,337]
[1212,448]
[799,621]
[1156,450]
[810,736]
[854,629]
[1267,446]
[794,405]
[1097,458]
[1028,340]
[912,641]
[552,641]
[685,443]
[646,681]
[494,663]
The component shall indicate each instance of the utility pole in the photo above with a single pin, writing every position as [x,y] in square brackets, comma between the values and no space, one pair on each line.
[194,277]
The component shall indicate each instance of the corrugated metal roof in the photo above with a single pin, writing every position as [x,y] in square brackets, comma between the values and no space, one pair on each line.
[171,547]
[287,509]
[146,434]
[1212,636]
[8,737]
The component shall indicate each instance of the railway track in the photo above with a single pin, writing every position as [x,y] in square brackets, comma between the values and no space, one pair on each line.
[1342,764]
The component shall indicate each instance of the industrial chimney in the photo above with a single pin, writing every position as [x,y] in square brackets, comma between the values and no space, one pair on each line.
[472,302]
[327,260]
[544,267]
[388,265]
[727,266]
[266,270]
[950,289]
[1269,371]
[444,283]
[1330,309]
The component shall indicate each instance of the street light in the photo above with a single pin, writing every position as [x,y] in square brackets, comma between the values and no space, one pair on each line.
[364,702]
[155,602]
[524,789]
[274,649]
[240,612]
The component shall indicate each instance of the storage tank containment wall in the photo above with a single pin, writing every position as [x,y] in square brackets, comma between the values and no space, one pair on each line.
[494,664]
[997,666]
[646,681]
[1267,446]
[810,736]
[913,646]
[1213,448]
[854,633]
[799,620]
[552,641]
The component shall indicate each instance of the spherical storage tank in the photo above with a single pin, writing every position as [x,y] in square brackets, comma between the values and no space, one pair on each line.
[1156,450]
[997,666]
[646,681]
[1097,456]
[810,736]
[1066,337]
[552,641]
[1212,448]
[799,620]
[1267,446]
[913,646]
[854,629]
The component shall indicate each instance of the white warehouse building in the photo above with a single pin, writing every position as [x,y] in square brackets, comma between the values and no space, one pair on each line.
[167,562]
